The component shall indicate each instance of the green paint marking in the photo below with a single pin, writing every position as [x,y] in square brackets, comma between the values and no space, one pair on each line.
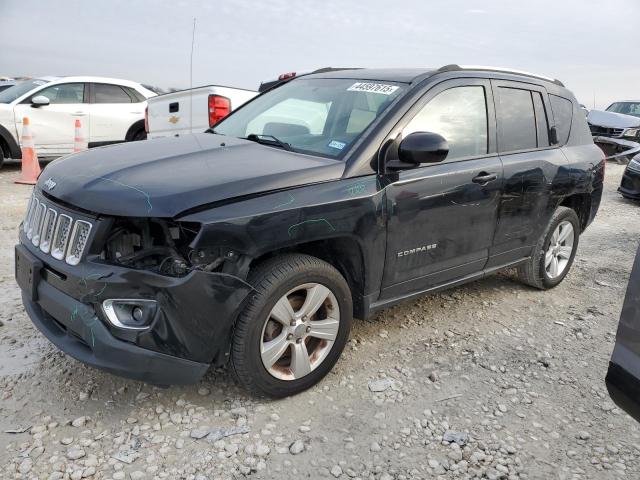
[319,220]
[146,195]
[288,202]
[356,189]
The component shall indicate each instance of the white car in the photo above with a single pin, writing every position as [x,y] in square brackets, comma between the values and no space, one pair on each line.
[110,111]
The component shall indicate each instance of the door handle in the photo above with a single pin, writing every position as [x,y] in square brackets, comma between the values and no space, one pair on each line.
[483,178]
[78,114]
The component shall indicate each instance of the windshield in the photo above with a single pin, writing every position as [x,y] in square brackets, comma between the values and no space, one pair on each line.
[19,89]
[317,116]
[628,108]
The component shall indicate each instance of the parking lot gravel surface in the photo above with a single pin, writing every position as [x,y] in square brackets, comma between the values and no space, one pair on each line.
[489,380]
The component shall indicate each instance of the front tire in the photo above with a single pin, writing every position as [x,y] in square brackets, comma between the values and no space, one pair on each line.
[554,253]
[294,327]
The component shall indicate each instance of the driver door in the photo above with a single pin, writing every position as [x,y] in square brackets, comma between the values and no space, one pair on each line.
[53,125]
[442,216]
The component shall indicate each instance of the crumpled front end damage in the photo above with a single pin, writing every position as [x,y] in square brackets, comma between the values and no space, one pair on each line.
[189,330]
[618,135]
[618,149]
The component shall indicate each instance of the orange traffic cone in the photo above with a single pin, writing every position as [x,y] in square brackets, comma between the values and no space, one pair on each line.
[30,165]
[79,143]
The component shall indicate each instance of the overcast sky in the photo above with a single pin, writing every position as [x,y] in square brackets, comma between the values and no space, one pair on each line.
[589,46]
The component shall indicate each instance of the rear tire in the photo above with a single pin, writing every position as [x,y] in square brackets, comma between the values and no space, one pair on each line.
[1,157]
[139,135]
[554,253]
[294,326]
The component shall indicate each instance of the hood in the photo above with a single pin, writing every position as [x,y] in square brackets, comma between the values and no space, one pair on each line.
[166,176]
[612,119]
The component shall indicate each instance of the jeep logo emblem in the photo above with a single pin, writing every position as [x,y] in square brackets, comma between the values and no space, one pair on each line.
[50,184]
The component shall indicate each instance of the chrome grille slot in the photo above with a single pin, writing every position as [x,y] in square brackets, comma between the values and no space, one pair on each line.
[37,224]
[47,230]
[25,224]
[61,236]
[32,217]
[79,238]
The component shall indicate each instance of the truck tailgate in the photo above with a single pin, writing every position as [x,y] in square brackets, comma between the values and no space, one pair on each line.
[187,111]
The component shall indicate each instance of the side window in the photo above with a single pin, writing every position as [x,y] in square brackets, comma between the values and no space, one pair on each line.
[285,118]
[542,123]
[63,93]
[517,120]
[135,95]
[460,116]
[563,115]
[107,93]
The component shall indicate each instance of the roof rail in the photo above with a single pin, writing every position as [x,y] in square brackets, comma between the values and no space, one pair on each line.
[454,67]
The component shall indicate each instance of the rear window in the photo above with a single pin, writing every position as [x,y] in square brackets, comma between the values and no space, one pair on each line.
[106,93]
[563,115]
[517,120]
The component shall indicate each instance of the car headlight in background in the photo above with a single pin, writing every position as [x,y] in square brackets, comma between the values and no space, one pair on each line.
[631,132]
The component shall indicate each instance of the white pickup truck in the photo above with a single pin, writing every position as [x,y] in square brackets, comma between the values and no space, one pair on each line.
[195,110]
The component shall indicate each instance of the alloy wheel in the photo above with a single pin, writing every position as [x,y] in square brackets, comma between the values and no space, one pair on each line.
[300,331]
[560,248]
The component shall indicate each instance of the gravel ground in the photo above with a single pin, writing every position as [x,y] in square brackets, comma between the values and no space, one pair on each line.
[489,380]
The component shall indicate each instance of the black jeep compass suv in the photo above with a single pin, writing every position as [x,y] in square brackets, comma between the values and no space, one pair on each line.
[329,196]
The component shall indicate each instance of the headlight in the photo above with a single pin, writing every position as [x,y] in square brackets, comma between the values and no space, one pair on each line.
[631,132]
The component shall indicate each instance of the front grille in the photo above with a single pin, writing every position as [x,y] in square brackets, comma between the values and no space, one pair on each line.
[605,131]
[56,233]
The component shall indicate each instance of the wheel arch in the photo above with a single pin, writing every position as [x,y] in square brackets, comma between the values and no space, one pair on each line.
[344,253]
[133,129]
[9,144]
[581,204]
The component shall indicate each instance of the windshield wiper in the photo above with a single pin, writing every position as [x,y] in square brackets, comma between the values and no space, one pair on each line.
[269,140]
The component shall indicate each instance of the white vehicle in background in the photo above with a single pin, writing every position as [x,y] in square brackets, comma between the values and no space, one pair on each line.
[171,114]
[110,111]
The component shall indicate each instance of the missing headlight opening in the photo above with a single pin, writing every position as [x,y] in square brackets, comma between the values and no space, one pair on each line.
[159,245]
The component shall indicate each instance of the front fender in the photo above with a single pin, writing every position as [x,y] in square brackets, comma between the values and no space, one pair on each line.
[253,227]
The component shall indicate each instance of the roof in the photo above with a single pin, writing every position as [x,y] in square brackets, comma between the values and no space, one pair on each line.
[410,75]
[402,75]
[86,78]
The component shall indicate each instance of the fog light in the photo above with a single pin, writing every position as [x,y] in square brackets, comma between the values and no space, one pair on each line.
[129,314]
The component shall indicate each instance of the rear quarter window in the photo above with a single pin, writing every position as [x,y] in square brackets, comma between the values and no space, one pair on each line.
[563,115]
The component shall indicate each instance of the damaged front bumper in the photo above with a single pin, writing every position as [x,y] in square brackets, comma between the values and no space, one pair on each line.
[190,329]
[617,149]
[630,183]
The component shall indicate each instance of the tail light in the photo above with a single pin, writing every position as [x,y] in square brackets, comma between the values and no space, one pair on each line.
[286,76]
[219,107]
[146,119]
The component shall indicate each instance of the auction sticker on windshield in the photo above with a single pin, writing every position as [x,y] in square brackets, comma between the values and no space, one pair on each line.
[382,88]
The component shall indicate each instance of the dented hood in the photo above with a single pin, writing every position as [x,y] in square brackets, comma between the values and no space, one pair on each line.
[612,119]
[164,177]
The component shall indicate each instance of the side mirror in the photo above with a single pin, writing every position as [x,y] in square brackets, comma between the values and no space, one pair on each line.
[39,101]
[553,136]
[420,147]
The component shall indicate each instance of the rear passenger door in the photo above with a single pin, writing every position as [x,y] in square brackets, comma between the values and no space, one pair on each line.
[531,165]
[114,109]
